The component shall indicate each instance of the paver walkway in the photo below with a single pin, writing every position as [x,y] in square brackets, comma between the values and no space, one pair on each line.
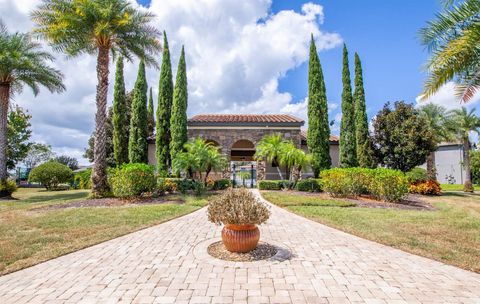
[168,263]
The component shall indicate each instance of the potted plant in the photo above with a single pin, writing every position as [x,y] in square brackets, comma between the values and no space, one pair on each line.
[240,212]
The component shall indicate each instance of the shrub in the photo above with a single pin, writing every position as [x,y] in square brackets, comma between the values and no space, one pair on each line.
[383,184]
[272,184]
[427,187]
[184,185]
[417,175]
[50,175]
[132,180]
[340,182]
[199,188]
[387,184]
[310,185]
[237,206]
[166,185]
[222,184]
[7,187]
[83,179]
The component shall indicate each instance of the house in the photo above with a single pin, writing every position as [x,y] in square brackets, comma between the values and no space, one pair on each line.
[237,135]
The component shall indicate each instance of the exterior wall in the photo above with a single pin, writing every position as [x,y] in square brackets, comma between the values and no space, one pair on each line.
[448,161]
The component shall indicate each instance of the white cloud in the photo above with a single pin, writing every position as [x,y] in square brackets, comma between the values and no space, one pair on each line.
[446,97]
[236,52]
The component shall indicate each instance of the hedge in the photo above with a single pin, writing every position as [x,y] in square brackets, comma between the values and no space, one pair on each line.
[272,184]
[132,180]
[310,185]
[381,183]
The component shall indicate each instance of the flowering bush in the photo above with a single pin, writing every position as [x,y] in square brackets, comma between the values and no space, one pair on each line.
[237,206]
[428,187]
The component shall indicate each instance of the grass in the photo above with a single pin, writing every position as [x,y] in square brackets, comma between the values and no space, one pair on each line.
[450,234]
[454,187]
[28,237]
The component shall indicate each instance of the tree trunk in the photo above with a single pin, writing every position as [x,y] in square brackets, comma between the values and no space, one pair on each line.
[431,168]
[4,100]
[467,187]
[99,173]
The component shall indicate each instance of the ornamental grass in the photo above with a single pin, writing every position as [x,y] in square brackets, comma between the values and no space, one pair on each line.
[237,206]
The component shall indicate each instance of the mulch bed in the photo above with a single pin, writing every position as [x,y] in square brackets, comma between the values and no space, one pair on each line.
[114,202]
[262,252]
[411,202]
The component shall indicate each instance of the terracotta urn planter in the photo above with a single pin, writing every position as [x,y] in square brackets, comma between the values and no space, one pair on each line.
[240,238]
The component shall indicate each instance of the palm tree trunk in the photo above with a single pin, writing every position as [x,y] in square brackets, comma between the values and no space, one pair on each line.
[4,100]
[467,187]
[431,168]
[99,174]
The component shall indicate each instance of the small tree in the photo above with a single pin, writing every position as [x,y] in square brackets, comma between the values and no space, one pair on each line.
[37,154]
[150,115]
[401,137]
[439,124]
[361,119]
[318,134]
[119,118]
[348,146]
[178,121]
[164,108]
[68,161]
[199,157]
[137,143]
[50,175]
[466,122]
[269,148]
[18,135]
[294,159]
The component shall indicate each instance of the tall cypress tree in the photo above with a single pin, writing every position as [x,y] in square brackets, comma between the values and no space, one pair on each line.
[120,117]
[150,115]
[178,121]
[137,145]
[348,150]
[361,120]
[165,96]
[318,128]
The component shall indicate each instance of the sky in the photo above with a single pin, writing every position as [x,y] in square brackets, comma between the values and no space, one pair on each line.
[249,56]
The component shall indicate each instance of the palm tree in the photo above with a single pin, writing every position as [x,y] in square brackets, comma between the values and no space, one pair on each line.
[22,62]
[453,39]
[439,123]
[270,148]
[294,159]
[465,123]
[98,27]
[199,156]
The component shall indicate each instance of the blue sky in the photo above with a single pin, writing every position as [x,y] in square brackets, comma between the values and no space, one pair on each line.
[384,33]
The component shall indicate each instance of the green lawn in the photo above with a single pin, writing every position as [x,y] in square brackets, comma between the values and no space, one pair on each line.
[455,187]
[450,234]
[29,236]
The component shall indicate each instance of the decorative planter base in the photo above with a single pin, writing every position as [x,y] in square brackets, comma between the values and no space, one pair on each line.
[240,238]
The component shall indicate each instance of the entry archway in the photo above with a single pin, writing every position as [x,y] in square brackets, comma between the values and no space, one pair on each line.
[243,165]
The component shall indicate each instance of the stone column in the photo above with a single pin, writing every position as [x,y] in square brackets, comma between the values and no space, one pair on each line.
[260,170]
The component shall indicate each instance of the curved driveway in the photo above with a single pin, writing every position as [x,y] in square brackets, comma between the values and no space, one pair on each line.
[168,263]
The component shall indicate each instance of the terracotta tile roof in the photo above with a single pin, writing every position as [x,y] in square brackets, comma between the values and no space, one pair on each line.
[303,134]
[244,118]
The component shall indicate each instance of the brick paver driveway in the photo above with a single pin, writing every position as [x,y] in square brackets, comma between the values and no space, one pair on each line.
[168,264]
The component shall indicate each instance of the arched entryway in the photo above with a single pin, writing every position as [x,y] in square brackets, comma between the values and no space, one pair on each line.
[243,164]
